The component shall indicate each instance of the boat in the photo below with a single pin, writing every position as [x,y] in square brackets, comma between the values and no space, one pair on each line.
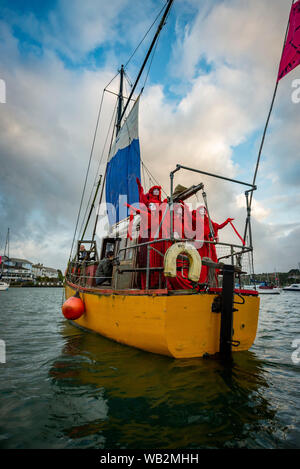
[164,291]
[293,287]
[263,289]
[4,286]
[268,290]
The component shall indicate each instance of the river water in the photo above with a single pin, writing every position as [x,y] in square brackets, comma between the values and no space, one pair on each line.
[61,387]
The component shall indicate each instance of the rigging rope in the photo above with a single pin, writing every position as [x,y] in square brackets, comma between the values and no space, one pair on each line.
[264,132]
[151,177]
[135,50]
[268,118]
[87,173]
[96,129]
[105,174]
[98,169]
[153,53]
[128,79]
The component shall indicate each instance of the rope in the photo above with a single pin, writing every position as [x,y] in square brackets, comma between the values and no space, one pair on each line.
[268,118]
[151,177]
[89,163]
[153,53]
[135,50]
[87,173]
[128,79]
[265,130]
[98,169]
[111,81]
[114,118]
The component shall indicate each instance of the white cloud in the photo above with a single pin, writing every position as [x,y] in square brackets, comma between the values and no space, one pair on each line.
[46,132]
[236,32]
[258,210]
[75,29]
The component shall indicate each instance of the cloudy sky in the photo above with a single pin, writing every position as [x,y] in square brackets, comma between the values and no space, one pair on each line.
[205,104]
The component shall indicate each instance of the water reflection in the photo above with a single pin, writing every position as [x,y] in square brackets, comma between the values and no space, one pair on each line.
[115,396]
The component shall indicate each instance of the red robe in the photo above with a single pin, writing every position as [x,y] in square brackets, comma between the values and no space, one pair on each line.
[149,226]
[209,249]
[184,224]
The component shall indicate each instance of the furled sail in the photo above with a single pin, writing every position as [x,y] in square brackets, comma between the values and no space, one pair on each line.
[124,166]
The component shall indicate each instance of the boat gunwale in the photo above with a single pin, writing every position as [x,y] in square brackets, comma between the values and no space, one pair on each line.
[155,292]
[111,291]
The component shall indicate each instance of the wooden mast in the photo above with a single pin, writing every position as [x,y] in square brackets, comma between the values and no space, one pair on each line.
[120,101]
[121,111]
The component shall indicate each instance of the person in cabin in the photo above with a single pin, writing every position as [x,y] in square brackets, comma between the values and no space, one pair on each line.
[83,254]
[104,269]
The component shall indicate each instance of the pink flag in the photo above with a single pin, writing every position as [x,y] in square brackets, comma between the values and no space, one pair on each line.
[0,260]
[291,53]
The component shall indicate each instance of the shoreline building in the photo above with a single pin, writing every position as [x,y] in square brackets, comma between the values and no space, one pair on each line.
[15,270]
[39,270]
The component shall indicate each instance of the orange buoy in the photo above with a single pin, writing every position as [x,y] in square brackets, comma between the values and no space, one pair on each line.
[73,307]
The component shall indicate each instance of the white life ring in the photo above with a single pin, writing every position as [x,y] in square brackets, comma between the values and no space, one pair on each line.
[170,269]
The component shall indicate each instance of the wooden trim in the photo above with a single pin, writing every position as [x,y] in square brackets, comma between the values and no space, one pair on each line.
[110,291]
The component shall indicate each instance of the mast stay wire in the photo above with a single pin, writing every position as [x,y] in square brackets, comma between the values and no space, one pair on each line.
[135,50]
[150,176]
[98,169]
[89,164]
[153,53]
[268,118]
[87,172]
[96,129]
[104,146]
[262,143]
[247,224]
[115,119]
[146,34]
[155,20]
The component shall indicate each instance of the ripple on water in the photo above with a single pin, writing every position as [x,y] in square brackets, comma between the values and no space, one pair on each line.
[65,388]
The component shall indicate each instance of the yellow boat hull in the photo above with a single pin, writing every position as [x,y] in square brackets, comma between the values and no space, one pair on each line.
[180,326]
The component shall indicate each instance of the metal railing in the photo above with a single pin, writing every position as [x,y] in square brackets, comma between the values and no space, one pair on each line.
[230,253]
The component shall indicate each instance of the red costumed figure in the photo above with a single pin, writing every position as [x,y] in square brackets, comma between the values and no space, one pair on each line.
[150,205]
[195,225]
[210,233]
[183,227]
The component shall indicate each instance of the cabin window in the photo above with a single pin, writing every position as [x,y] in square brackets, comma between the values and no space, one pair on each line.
[109,247]
[129,252]
[122,246]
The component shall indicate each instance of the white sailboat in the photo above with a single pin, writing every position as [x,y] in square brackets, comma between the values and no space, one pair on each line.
[293,287]
[4,286]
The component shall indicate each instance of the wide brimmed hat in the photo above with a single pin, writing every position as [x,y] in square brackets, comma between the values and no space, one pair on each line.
[179,189]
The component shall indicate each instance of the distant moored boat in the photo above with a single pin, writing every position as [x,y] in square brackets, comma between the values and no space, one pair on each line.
[294,287]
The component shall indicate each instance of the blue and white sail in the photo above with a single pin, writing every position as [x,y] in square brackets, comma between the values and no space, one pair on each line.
[124,166]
